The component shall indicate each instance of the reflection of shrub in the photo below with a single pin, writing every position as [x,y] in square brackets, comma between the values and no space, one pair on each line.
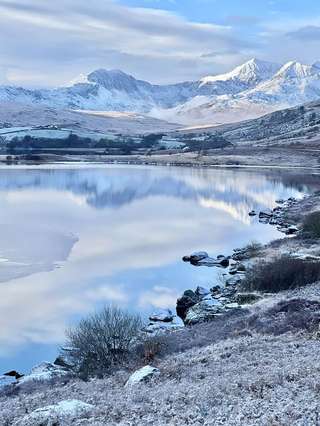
[252,249]
[281,274]
[102,340]
[311,224]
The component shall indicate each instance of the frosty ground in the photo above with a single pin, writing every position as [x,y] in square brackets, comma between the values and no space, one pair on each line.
[242,377]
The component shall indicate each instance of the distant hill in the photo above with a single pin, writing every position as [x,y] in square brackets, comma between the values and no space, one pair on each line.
[299,124]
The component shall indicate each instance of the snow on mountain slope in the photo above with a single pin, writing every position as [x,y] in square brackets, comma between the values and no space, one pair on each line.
[82,122]
[249,73]
[291,85]
[250,90]
[294,83]
[116,90]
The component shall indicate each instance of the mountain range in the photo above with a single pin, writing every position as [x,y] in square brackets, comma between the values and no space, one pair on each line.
[249,91]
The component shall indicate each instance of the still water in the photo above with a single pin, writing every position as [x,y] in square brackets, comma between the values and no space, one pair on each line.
[74,238]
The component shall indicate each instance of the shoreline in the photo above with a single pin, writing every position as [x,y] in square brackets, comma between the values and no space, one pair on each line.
[274,157]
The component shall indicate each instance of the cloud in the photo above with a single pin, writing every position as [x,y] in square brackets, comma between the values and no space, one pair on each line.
[68,36]
[307,33]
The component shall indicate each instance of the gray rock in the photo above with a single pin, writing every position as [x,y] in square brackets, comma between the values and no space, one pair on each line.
[157,328]
[267,213]
[44,371]
[185,302]
[164,315]
[238,268]
[202,258]
[203,311]
[215,289]
[195,257]
[234,280]
[142,375]
[201,291]
[291,230]
[61,413]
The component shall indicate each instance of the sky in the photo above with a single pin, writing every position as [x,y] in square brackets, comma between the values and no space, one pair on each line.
[47,43]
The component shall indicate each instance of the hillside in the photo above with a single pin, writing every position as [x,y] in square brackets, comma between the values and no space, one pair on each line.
[18,119]
[299,124]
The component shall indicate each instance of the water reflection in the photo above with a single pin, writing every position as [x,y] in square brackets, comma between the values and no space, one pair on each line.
[74,238]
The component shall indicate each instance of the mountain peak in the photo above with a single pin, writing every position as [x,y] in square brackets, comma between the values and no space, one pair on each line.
[295,69]
[252,71]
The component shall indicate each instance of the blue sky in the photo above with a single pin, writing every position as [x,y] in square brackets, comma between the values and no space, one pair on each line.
[46,43]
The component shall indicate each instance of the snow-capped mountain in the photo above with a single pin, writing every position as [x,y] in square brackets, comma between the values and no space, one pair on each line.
[250,90]
[291,85]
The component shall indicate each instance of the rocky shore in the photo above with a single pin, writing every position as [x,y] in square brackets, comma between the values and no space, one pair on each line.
[205,304]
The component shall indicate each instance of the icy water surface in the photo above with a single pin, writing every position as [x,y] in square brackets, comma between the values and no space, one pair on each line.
[74,238]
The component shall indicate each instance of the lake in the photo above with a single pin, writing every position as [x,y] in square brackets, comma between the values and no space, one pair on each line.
[76,237]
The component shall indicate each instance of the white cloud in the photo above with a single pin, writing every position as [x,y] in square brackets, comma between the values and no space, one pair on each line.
[71,36]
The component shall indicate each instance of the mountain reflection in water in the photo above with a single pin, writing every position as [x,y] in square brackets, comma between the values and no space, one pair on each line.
[76,237]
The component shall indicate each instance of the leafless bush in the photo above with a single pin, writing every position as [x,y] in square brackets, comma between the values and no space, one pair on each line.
[294,315]
[151,348]
[102,340]
[281,274]
[311,224]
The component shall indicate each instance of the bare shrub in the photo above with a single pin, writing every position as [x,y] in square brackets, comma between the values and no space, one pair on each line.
[102,340]
[282,273]
[150,348]
[311,224]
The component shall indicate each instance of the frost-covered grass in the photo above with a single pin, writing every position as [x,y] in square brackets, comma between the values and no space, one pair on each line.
[258,380]
[281,273]
[259,369]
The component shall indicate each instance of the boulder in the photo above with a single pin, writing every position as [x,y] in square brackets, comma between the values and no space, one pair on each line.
[215,289]
[163,315]
[267,213]
[202,258]
[185,302]
[203,311]
[229,292]
[210,261]
[44,371]
[234,280]
[202,292]
[195,257]
[61,413]
[157,328]
[60,362]
[291,230]
[142,375]
[238,268]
